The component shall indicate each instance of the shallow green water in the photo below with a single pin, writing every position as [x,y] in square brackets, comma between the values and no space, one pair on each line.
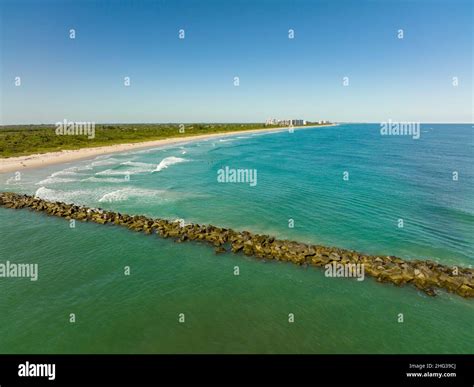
[81,270]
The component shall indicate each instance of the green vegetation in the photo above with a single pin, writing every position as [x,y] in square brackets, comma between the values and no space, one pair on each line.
[21,140]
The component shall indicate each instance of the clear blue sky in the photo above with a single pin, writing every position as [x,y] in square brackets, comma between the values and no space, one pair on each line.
[191,80]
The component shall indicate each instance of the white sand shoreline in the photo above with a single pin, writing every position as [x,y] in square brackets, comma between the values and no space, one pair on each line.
[20,163]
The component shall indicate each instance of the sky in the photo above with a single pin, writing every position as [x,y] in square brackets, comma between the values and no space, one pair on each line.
[193,79]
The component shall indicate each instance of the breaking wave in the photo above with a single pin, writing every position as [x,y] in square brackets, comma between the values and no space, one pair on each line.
[94,179]
[103,162]
[168,161]
[55,180]
[135,168]
[137,164]
[76,196]
[129,193]
[65,172]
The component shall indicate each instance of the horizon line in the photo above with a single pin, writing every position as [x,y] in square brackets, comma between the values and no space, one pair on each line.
[234,122]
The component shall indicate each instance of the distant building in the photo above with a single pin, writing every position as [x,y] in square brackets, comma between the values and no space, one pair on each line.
[293,122]
[297,122]
[271,121]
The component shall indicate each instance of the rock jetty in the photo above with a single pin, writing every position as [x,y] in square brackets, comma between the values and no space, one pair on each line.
[427,275]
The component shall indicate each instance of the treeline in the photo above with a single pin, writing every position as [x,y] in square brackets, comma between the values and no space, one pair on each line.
[20,140]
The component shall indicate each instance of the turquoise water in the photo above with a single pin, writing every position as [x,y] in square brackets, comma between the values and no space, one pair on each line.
[299,177]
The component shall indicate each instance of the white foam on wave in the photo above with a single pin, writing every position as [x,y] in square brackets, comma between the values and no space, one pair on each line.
[87,167]
[128,193]
[111,172]
[135,168]
[182,222]
[76,196]
[12,180]
[115,196]
[94,179]
[168,161]
[137,164]
[56,180]
[66,172]
[99,161]
[100,157]
[68,175]
[144,151]
[103,162]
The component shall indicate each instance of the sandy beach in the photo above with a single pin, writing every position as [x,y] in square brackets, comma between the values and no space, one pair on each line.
[13,164]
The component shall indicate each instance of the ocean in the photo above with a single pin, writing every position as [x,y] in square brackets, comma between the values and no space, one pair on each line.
[346,186]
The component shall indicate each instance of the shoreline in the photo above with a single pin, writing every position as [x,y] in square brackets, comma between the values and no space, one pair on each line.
[38,160]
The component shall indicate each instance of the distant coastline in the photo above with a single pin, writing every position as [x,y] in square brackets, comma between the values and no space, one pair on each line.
[14,164]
